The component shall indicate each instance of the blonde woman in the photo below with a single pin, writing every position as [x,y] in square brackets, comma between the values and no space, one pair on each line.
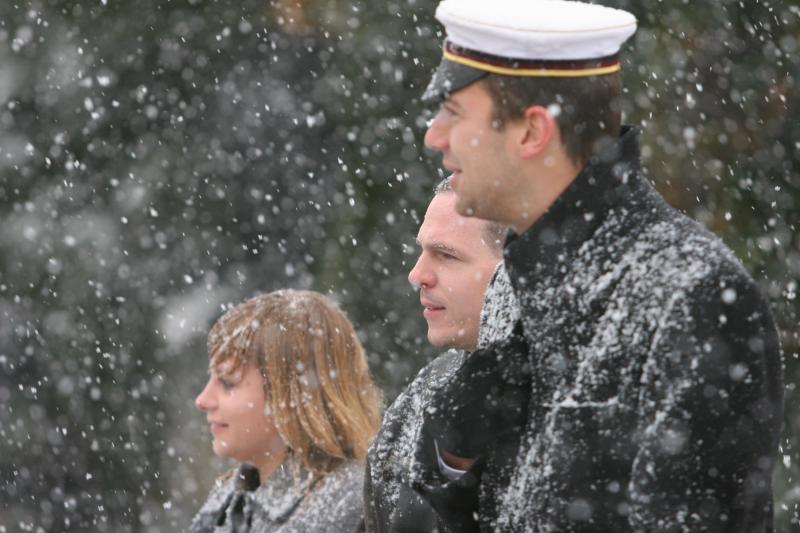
[290,397]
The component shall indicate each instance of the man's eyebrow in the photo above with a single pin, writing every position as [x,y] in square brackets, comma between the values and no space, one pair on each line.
[450,101]
[439,247]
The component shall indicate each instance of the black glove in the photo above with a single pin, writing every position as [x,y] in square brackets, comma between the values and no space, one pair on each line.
[484,407]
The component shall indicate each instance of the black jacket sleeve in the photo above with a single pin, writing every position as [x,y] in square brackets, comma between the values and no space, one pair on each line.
[411,513]
[709,413]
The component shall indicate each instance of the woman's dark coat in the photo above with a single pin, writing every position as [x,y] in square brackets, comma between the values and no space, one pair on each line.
[292,500]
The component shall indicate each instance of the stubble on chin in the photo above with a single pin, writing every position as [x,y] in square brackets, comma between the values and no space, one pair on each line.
[464,206]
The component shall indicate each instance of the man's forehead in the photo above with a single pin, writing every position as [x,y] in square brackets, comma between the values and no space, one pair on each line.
[442,218]
[452,236]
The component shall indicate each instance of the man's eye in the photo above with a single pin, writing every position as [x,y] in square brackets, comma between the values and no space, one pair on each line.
[445,111]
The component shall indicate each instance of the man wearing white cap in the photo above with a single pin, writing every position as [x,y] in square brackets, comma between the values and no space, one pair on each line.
[656,396]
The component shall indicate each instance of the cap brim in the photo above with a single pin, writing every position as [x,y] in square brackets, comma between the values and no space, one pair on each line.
[448,78]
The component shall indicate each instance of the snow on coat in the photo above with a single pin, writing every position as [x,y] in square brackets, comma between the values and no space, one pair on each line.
[657,397]
[292,500]
[500,311]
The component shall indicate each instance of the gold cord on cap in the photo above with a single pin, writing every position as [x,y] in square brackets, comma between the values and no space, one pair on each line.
[542,70]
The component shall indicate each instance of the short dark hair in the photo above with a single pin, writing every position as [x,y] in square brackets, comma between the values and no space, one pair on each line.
[494,233]
[589,108]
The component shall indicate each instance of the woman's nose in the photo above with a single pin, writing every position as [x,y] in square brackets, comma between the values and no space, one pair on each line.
[205,400]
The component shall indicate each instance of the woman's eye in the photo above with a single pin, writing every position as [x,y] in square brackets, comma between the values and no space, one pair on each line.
[226,383]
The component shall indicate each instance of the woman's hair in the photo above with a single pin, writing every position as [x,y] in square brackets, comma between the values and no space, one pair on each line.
[318,388]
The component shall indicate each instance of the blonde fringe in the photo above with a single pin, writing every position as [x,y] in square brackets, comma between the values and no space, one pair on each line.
[319,390]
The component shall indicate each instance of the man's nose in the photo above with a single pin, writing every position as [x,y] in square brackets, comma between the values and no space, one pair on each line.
[421,276]
[436,135]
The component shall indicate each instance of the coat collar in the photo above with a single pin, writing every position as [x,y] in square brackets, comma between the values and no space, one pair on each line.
[554,239]
[240,501]
[283,492]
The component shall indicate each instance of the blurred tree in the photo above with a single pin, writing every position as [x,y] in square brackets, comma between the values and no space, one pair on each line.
[158,160]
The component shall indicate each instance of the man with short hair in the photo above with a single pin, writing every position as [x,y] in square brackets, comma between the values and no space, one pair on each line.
[458,257]
[656,373]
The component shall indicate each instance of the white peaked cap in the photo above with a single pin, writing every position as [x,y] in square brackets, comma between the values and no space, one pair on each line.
[546,38]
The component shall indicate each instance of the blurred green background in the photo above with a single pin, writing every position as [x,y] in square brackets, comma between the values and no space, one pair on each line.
[161,158]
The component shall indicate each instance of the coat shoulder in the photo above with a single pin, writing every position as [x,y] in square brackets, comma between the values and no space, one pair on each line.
[215,504]
[405,408]
[668,253]
[336,504]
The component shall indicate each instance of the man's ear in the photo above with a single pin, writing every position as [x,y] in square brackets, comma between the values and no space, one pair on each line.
[539,129]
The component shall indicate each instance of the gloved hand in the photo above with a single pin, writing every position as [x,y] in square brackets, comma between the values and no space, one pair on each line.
[485,405]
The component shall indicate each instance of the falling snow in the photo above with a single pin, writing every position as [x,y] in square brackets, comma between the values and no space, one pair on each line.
[159,160]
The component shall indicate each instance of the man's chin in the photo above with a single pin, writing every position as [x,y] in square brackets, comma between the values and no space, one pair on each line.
[439,340]
[448,342]
[464,206]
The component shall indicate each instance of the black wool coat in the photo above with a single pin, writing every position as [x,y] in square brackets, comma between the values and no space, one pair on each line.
[655,396]
[390,505]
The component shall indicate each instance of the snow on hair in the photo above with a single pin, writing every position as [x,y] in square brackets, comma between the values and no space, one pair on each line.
[318,387]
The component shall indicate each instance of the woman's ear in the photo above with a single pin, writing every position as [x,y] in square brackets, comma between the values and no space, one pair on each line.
[539,128]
